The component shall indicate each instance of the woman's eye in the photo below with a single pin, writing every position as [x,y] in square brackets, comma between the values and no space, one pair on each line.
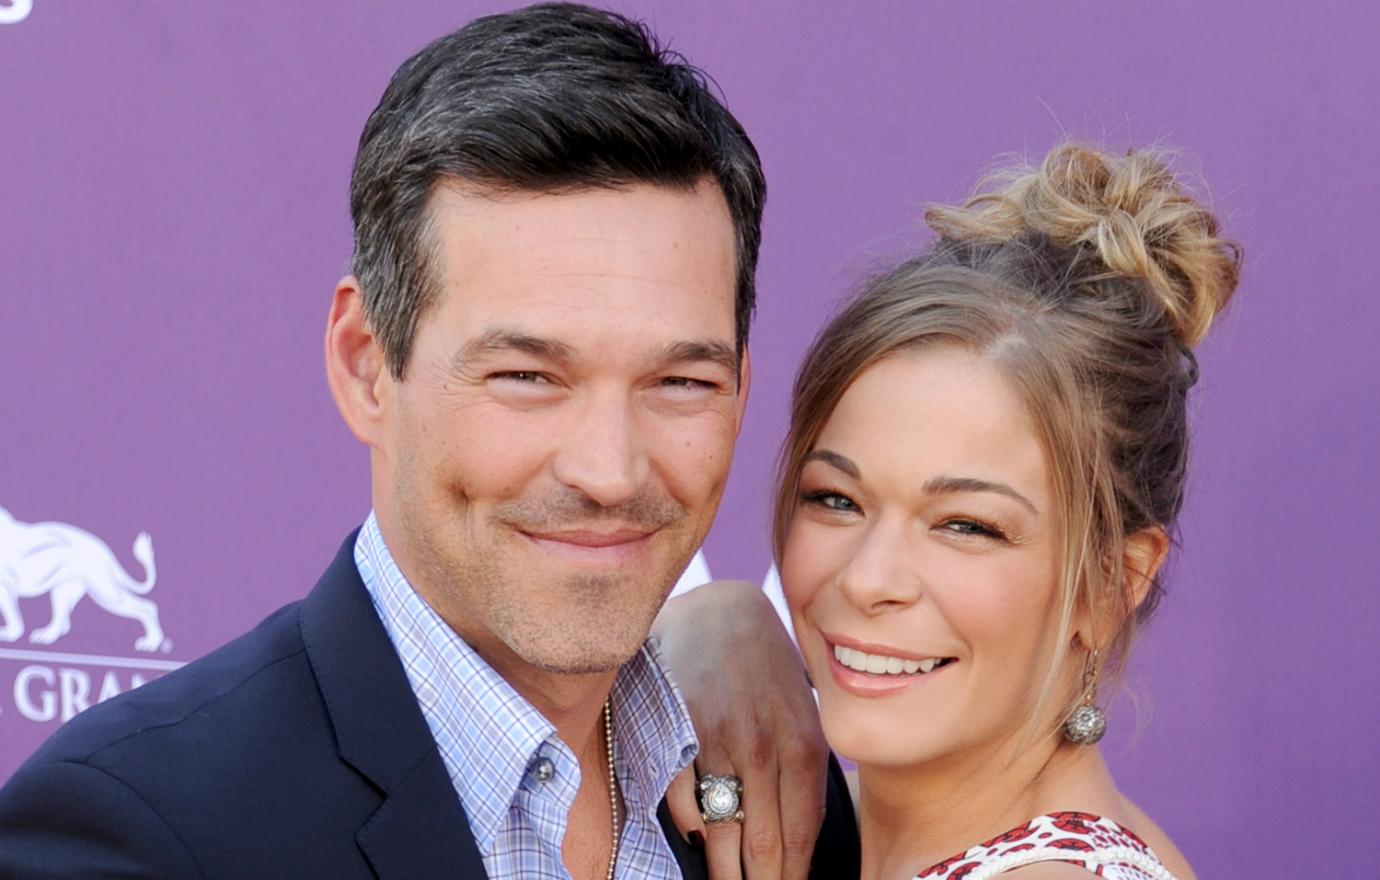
[970,527]
[832,501]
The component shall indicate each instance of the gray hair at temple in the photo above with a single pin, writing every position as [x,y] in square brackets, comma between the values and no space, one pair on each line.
[550,98]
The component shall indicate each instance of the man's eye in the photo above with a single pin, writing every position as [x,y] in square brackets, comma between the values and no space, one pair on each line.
[529,376]
[832,501]
[687,382]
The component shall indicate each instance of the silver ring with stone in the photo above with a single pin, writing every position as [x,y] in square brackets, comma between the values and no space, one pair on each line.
[719,798]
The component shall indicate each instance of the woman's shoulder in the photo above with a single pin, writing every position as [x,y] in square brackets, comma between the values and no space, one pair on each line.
[1159,842]
[1066,844]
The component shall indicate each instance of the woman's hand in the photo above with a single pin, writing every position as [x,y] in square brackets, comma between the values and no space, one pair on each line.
[756,718]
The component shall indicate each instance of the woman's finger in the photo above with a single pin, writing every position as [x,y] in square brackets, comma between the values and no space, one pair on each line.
[684,808]
[761,815]
[723,841]
[803,789]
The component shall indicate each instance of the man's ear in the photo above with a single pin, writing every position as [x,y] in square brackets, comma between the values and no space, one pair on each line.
[355,364]
[744,383]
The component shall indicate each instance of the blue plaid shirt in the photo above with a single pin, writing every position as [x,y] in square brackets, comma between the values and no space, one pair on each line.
[493,741]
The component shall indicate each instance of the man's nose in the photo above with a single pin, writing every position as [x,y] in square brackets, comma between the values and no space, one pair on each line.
[601,453]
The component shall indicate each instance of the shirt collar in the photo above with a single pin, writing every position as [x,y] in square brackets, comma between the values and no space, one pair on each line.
[654,738]
[487,733]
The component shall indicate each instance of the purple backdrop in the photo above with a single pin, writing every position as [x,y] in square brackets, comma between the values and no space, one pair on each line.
[173,218]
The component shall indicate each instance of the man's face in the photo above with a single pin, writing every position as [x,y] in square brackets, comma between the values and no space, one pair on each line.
[559,445]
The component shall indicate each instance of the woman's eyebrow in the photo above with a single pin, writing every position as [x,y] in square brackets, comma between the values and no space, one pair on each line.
[842,462]
[945,484]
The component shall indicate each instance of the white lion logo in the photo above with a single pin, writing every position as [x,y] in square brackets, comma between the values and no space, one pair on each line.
[68,563]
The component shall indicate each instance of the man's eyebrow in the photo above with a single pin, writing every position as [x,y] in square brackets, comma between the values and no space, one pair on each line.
[842,462]
[944,485]
[497,340]
[711,350]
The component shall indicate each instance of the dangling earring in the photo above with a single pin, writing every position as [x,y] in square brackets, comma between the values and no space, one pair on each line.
[1087,723]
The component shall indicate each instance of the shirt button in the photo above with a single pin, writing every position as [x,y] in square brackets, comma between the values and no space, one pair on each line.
[544,770]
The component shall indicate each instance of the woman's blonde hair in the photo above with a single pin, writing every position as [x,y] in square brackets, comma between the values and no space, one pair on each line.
[1087,281]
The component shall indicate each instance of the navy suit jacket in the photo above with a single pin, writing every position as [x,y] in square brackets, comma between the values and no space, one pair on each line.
[297,750]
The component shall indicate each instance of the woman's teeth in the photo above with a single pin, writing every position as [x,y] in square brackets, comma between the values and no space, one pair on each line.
[879,664]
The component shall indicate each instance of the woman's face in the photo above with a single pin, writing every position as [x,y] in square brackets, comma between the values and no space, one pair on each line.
[920,564]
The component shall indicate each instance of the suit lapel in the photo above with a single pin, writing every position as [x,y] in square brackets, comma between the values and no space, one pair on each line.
[420,830]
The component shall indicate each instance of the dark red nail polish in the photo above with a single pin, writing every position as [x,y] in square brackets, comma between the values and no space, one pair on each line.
[697,840]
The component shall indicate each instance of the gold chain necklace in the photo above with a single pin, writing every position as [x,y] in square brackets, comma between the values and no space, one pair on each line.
[613,782]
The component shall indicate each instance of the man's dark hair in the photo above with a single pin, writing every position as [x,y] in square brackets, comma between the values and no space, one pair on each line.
[551,98]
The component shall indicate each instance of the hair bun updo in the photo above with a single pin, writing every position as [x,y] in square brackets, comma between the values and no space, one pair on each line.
[1129,209]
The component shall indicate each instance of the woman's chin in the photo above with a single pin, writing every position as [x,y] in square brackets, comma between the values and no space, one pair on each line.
[867,739]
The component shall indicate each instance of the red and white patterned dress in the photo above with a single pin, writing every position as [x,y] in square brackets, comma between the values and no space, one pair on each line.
[1099,845]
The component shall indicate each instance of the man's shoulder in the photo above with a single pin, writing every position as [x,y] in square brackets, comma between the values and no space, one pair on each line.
[225,766]
[198,707]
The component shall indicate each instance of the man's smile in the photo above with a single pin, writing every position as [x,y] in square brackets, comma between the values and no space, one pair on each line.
[598,548]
